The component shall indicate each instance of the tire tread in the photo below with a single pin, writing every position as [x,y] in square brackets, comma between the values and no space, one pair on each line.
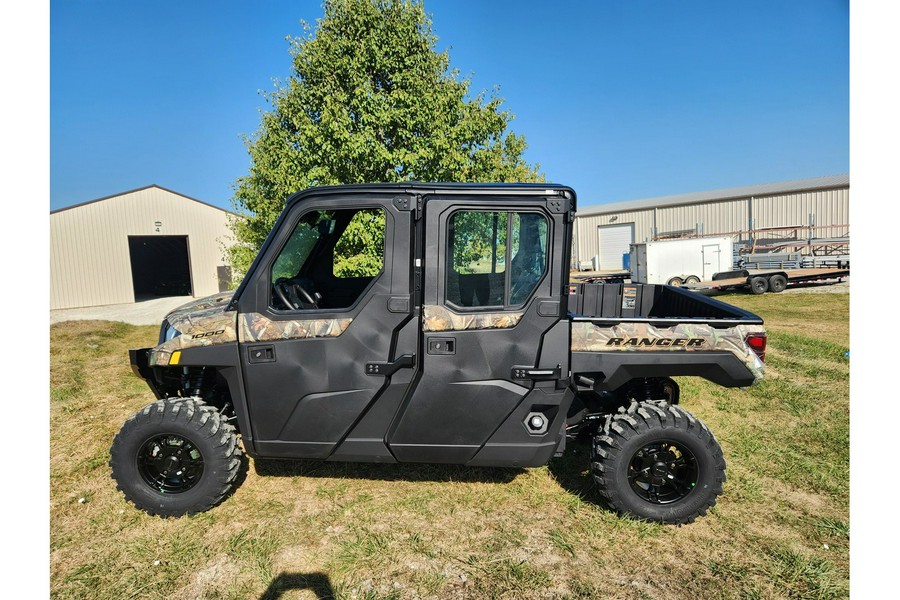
[637,419]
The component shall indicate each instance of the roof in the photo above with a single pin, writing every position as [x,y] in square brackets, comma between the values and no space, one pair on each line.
[764,189]
[140,189]
[426,189]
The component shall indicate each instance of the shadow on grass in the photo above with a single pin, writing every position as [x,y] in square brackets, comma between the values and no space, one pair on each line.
[385,472]
[572,471]
[317,582]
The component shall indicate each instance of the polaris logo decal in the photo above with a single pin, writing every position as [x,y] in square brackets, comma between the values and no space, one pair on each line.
[659,342]
[207,334]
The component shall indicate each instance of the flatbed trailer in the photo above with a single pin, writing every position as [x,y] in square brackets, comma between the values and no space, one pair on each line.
[770,280]
[600,277]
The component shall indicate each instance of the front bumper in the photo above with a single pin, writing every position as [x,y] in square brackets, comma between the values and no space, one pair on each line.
[140,365]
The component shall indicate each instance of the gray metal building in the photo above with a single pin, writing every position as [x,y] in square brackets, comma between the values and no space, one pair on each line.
[818,207]
[140,244]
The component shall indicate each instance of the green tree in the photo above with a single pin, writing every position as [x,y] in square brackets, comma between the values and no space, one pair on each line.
[370,99]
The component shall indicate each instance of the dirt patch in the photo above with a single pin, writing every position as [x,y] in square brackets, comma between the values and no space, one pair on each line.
[218,575]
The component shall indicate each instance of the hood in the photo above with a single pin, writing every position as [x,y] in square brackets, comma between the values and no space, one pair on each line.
[202,322]
[214,303]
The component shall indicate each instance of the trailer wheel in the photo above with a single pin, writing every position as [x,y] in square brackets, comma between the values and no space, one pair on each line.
[176,456]
[777,283]
[657,462]
[759,285]
[692,279]
[675,281]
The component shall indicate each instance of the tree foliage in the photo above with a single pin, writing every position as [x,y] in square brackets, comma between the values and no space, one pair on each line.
[370,99]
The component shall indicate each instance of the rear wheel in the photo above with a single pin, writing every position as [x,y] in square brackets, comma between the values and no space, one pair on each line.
[777,283]
[176,456]
[692,279]
[676,281]
[759,285]
[656,461]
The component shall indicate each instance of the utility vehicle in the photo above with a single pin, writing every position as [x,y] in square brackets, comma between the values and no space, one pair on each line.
[403,323]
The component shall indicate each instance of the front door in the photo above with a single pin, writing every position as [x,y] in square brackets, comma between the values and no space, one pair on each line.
[494,347]
[324,311]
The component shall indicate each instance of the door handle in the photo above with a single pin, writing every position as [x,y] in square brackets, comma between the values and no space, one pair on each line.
[387,369]
[441,345]
[261,354]
[535,373]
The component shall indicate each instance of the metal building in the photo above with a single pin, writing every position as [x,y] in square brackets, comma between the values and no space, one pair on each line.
[817,208]
[140,244]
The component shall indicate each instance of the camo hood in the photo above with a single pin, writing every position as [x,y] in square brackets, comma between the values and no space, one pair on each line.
[202,322]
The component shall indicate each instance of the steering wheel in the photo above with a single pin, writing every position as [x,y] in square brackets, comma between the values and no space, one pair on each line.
[283,286]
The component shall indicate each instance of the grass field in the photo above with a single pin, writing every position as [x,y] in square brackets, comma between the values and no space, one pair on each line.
[307,530]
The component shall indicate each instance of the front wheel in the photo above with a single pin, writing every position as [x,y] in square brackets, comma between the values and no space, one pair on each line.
[176,456]
[656,461]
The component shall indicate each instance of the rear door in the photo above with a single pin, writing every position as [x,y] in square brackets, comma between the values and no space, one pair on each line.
[711,257]
[494,346]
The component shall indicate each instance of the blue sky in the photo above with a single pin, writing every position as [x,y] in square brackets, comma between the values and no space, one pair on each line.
[620,100]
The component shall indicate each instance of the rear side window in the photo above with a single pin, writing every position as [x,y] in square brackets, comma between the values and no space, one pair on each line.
[494,258]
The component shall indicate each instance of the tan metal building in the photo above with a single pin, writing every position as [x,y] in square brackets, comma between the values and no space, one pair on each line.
[140,244]
[820,206]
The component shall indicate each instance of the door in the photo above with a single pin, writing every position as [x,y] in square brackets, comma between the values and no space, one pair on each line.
[320,321]
[494,347]
[711,254]
[615,241]
[160,266]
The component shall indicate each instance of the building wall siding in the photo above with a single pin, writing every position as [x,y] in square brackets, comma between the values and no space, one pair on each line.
[830,207]
[587,230]
[712,217]
[89,257]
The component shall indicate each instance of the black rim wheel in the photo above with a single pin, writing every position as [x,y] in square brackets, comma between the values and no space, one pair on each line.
[170,464]
[663,472]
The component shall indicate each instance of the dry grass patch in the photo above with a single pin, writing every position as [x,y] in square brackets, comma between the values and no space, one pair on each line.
[311,530]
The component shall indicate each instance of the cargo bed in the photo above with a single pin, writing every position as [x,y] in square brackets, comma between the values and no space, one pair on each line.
[623,332]
[651,303]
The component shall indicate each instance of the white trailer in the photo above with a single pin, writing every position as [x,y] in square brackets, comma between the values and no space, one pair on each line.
[675,262]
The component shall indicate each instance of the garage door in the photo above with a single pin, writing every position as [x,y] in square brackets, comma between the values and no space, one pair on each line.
[160,266]
[615,240]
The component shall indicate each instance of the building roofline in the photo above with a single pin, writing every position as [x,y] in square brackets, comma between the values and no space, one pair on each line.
[140,189]
[759,190]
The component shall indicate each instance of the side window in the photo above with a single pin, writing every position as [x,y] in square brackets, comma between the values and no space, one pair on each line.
[329,260]
[360,250]
[494,258]
[528,250]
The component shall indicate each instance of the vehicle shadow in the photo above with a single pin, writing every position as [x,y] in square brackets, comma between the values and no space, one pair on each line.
[572,471]
[385,472]
[318,583]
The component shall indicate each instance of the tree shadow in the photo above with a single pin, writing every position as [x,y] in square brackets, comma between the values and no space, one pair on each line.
[385,472]
[317,582]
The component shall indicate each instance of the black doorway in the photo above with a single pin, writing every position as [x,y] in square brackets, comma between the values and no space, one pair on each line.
[160,266]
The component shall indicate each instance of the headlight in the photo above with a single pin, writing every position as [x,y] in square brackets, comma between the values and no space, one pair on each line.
[169,332]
